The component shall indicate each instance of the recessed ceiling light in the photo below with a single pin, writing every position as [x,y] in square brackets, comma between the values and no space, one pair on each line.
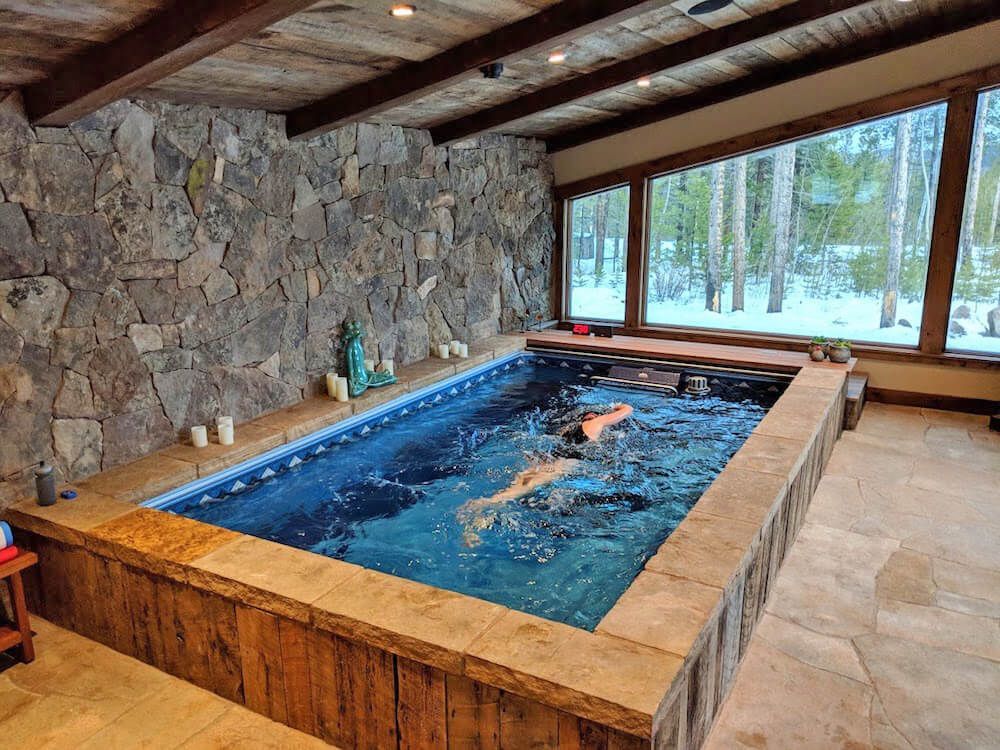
[708,6]
[557,56]
[645,82]
[403,11]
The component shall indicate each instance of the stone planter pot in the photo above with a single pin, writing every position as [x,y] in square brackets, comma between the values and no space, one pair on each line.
[840,354]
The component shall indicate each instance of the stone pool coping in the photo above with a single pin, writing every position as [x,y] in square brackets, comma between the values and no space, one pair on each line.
[635,673]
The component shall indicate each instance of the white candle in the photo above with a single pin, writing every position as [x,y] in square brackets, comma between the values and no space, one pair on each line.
[199,436]
[456,347]
[219,421]
[387,365]
[331,384]
[463,351]
[443,351]
[370,365]
[225,434]
[341,389]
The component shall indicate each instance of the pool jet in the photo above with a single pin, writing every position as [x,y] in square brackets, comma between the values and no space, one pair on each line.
[359,377]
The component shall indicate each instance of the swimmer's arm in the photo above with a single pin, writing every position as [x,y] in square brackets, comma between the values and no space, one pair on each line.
[525,483]
[593,426]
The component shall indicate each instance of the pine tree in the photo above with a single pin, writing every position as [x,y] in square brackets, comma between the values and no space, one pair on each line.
[897,219]
[781,206]
[713,278]
[739,231]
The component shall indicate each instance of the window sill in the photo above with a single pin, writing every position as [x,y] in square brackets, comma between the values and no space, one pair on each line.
[795,343]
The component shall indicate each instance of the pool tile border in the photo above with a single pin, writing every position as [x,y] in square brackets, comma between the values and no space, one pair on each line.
[628,676]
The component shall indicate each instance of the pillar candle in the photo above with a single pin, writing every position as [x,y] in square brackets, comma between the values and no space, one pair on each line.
[463,351]
[456,347]
[387,365]
[219,421]
[341,389]
[370,365]
[226,434]
[199,436]
[443,351]
[331,384]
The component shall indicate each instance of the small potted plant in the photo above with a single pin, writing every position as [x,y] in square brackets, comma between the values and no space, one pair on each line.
[818,348]
[840,351]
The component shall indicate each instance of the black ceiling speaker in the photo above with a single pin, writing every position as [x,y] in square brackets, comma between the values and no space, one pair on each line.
[493,70]
[708,6]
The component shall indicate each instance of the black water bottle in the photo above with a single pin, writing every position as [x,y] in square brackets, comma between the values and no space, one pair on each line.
[45,484]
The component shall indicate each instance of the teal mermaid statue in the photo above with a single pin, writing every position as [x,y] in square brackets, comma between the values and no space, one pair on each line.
[359,377]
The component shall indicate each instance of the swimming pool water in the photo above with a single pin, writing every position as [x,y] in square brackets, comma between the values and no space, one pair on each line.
[392,500]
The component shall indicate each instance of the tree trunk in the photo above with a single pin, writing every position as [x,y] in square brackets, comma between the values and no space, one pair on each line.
[739,231]
[713,277]
[600,235]
[781,205]
[994,215]
[897,219]
[975,175]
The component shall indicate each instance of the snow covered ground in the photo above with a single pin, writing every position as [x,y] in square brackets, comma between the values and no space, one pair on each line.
[852,318]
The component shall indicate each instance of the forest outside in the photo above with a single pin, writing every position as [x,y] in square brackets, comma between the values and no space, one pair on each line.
[826,236]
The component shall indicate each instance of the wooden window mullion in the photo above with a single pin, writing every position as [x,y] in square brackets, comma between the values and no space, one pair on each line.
[635,260]
[949,213]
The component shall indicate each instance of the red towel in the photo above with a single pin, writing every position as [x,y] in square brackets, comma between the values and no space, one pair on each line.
[8,553]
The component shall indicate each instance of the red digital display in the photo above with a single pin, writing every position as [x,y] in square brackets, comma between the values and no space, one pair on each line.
[581,329]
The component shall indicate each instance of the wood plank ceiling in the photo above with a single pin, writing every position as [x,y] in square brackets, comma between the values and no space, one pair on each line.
[333,45]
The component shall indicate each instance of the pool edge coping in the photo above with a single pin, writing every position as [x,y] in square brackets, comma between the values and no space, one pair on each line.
[535,674]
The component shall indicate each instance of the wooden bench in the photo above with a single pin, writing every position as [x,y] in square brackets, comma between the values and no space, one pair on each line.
[17,633]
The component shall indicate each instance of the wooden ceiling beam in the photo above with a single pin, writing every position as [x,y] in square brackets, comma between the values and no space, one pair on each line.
[706,44]
[922,30]
[543,31]
[175,37]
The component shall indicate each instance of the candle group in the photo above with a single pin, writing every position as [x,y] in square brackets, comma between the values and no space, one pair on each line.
[224,428]
[453,348]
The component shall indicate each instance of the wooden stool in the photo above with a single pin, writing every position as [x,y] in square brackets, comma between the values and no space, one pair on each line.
[20,633]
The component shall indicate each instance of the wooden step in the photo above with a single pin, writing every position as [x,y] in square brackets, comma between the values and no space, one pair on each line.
[857,384]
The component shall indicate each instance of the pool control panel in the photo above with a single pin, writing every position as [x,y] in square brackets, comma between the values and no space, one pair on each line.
[587,329]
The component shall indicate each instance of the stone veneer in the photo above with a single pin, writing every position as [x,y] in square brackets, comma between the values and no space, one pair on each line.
[160,264]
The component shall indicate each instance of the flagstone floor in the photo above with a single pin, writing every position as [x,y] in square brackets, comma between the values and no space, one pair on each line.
[883,630]
[78,694]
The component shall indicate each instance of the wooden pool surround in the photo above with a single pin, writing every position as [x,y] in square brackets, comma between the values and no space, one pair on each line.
[365,659]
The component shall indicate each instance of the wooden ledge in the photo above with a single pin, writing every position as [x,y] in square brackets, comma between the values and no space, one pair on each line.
[684,351]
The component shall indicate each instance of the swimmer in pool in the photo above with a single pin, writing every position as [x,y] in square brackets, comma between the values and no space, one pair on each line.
[478,515]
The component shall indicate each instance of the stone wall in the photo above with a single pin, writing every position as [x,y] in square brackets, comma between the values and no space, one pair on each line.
[161,264]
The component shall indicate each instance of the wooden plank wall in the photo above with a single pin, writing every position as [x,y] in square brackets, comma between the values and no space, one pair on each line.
[686,715]
[347,693]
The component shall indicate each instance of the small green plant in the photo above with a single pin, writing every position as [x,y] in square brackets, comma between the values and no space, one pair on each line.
[820,340]
[842,344]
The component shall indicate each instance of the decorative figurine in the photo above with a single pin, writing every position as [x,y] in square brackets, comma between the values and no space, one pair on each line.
[359,377]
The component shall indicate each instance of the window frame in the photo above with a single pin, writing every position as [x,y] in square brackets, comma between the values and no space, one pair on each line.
[959,94]
[567,259]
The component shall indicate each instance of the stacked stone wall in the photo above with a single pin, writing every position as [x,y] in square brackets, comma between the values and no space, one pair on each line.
[160,264]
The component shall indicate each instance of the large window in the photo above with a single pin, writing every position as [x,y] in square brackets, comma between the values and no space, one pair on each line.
[598,244]
[824,236]
[975,307]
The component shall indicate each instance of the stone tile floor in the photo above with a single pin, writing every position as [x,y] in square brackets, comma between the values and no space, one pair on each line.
[80,694]
[883,630]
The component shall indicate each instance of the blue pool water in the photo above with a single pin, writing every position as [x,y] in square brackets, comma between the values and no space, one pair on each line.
[392,499]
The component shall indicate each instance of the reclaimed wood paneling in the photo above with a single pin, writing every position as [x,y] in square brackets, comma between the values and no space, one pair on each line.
[527,724]
[297,675]
[262,662]
[421,712]
[473,714]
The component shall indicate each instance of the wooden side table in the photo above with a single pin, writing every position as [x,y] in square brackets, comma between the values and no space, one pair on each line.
[19,632]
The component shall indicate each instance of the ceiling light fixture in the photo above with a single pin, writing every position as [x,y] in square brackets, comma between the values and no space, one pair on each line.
[708,6]
[402,11]
[557,56]
[644,83]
